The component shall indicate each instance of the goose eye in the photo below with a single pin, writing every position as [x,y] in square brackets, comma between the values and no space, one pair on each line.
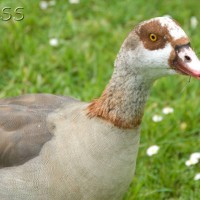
[153,37]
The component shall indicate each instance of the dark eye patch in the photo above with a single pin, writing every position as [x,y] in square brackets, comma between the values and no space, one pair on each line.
[153,27]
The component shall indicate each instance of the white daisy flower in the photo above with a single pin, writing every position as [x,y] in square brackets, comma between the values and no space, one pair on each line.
[74,1]
[152,150]
[43,5]
[167,110]
[193,22]
[190,162]
[194,159]
[157,118]
[53,42]
[195,155]
[197,177]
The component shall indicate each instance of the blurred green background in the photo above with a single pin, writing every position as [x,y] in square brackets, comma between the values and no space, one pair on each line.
[89,35]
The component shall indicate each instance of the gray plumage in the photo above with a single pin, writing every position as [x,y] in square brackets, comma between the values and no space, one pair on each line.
[23,126]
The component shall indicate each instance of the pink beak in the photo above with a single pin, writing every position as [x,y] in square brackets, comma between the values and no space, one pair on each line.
[186,61]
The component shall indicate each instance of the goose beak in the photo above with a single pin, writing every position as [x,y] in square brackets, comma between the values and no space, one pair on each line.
[186,61]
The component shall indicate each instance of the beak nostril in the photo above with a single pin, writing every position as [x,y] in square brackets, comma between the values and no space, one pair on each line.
[188,59]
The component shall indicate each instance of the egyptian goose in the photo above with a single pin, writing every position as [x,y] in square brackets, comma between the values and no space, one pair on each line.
[58,148]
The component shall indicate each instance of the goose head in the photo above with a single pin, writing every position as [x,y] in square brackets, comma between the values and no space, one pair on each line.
[156,48]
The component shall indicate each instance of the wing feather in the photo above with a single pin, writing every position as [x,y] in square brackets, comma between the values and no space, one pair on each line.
[23,126]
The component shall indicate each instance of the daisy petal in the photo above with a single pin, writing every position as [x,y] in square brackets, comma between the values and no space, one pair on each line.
[191,162]
[53,42]
[195,155]
[152,150]
[167,110]
[157,118]
[197,177]
[43,5]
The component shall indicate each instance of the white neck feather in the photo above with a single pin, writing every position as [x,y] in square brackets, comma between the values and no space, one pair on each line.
[123,101]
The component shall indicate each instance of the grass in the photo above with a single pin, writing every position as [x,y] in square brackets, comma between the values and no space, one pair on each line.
[90,35]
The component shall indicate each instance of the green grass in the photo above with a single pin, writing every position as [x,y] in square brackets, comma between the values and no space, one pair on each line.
[90,35]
